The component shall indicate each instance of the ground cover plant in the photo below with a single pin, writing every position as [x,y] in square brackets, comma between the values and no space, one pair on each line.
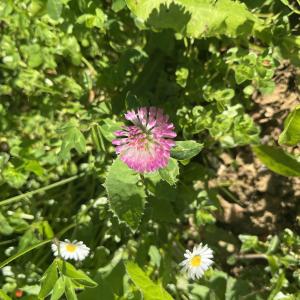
[149,149]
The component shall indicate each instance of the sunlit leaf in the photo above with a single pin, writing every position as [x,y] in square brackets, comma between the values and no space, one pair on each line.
[186,150]
[3,296]
[72,139]
[54,8]
[48,280]
[291,133]
[277,160]
[58,289]
[196,18]
[170,172]
[79,276]
[70,289]
[149,289]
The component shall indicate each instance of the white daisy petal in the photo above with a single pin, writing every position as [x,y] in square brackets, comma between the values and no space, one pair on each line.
[197,261]
[71,250]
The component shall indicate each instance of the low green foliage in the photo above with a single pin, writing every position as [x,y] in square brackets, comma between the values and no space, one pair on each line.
[69,71]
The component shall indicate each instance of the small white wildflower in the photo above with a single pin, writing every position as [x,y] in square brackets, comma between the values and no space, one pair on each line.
[7,271]
[48,82]
[8,59]
[71,250]
[198,261]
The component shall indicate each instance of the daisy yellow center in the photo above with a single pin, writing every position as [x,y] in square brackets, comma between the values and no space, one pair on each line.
[71,247]
[196,261]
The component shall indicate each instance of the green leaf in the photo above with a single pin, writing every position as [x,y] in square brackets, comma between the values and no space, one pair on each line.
[186,149]
[182,75]
[92,21]
[281,281]
[290,6]
[97,138]
[118,5]
[3,296]
[54,8]
[196,18]
[108,129]
[150,290]
[291,133]
[77,275]
[58,289]
[126,193]
[72,139]
[170,172]
[21,253]
[70,290]
[250,242]
[14,177]
[237,289]
[48,280]
[34,166]
[5,227]
[277,160]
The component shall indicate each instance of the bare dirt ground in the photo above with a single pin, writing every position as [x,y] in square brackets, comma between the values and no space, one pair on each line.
[265,202]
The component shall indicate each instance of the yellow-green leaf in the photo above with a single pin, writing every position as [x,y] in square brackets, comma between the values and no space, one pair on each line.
[277,160]
[291,133]
[149,289]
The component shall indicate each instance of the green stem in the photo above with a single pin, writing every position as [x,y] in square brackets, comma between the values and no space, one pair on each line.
[88,64]
[45,188]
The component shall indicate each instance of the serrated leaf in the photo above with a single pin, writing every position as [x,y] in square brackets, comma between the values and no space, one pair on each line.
[196,18]
[72,139]
[291,133]
[149,289]
[170,172]
[48,280]
[277,160]
[126,193]
[58,289]
[79,276]
[54,8]
[186,149]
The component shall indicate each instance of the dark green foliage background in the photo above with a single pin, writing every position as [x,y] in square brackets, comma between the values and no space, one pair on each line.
[69,70]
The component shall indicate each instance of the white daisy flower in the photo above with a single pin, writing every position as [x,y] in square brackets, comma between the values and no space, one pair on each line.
[198,261]
[71,250]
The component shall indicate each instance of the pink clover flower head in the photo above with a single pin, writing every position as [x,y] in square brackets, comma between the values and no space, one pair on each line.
[145,146]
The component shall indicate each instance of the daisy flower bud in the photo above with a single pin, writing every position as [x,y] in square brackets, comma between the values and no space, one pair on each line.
[198,261]
[70,250]
[145,146]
